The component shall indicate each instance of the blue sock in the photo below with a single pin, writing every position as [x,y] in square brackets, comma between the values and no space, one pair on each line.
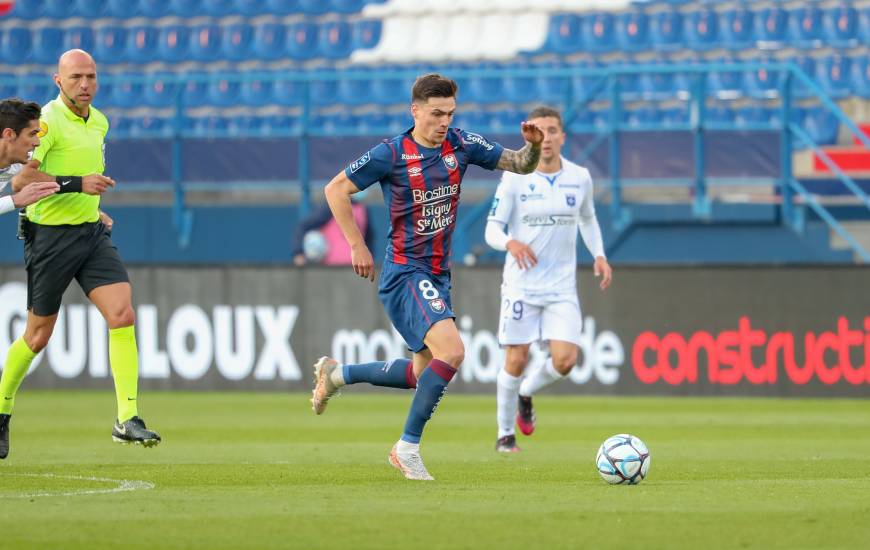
[430,389]
[398,373]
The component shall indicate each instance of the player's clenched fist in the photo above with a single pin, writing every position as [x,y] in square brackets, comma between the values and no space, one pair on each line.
[362,261]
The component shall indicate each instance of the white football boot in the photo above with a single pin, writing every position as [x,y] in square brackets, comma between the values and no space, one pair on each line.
[324,385]
[410,464]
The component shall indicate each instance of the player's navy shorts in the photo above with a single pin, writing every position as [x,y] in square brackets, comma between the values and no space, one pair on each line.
[414,300]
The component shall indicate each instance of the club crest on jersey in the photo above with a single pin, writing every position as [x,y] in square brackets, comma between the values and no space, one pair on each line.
[437,305]
[571,200]
[450,162]
[531,187]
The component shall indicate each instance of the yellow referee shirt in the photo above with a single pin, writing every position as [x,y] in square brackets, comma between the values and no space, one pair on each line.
[69,146]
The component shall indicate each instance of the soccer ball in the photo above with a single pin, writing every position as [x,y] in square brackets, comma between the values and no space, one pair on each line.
[314,246]
[623,458]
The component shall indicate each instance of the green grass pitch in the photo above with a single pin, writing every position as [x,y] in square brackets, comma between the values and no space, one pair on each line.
[244,470]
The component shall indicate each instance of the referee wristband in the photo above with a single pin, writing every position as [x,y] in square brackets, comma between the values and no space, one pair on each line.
[69,184]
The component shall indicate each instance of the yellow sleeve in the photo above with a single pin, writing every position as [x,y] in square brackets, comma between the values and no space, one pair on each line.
[46,139]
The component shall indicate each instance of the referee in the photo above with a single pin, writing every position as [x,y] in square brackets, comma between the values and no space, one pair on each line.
[65,240]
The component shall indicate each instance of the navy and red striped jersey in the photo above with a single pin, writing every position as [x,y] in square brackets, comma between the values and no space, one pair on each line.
[421,188]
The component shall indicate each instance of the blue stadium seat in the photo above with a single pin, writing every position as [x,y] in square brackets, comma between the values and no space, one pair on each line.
[667,31]
[738,28]
[257,93]
[185,8]
[552,89]
[120,126]
[81,38]
[864,25]
[142,43]
[639,118]
[718,114]
[598,34]
[173,44]
[771,27]
[195,92]
[521,89]
[345,6]
[47,45]
[752,116]
[58,9]
[657,85]
[632,31]
[805,26]
[840,26]
[313,7]
[245,126]
[355,91]
[340,123]
[209,126]
[485,89]
[583,85]
[675,116]
[27,9]
[10,88]
[808,65]
[125,93]
[763,83]
[236,41]
[280,125]
[224,92]
[324,92]
[374,123]
[110,43]
[302,40]
[281,7]
[218,8]
[249,7]
[91,9]
[269,41]
[390,90]
[289,93]
[726,84]
[702,30]
[148,8]
[629,86]
[564,34]
[861,76]
[15,46]
[366,34]
[834,75]
[149,126]
[160,91]
[335,40]
[40,88]
[821,125]
[205,42]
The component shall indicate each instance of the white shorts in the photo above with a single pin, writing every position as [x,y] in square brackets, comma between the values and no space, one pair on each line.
[539,318]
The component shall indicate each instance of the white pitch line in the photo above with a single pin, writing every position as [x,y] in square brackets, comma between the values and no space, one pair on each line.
[123,486]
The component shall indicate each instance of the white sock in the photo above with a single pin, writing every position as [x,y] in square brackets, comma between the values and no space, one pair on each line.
[337,376]
[403,447]
[506,396]
[541,378]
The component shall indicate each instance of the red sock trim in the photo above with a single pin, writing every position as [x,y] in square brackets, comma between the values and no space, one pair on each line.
[442,369]
[409,375]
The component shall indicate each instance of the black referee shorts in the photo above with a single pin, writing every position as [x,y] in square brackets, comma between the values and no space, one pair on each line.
[54,255]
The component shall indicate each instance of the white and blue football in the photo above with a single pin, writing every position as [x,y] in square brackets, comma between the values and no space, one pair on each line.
[623,458]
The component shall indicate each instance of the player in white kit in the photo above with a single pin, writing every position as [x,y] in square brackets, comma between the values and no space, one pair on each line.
[535,218]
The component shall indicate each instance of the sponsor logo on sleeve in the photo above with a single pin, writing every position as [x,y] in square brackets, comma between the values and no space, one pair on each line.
[437,305]
[360,162]
[43,129]
[494,207]
[470,137]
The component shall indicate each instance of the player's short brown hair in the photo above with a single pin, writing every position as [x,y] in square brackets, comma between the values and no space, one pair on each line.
[17,114]
[544,111]
[433,85]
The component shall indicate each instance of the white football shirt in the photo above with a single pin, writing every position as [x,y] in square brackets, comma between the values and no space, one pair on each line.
[6,175]
[544,211]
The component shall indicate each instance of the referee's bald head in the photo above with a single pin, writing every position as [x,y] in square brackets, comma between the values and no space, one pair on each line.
[73,58]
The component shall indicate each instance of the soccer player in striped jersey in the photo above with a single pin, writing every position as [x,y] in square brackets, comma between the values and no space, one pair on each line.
[420,172]
[542,212]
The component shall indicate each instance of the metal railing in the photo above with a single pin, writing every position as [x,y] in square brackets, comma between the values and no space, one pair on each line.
[605,86]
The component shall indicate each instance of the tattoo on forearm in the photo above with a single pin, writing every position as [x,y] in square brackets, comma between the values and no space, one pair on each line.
[523,161]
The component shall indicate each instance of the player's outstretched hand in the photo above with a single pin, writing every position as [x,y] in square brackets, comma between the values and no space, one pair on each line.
[34,193]
[96,184]
[532,133]
[522,253]
[363,263]
[603,270]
